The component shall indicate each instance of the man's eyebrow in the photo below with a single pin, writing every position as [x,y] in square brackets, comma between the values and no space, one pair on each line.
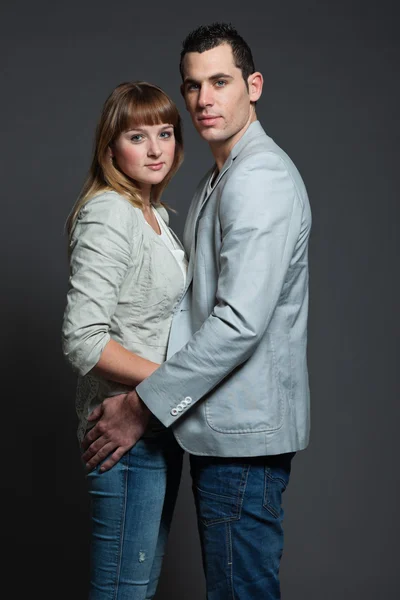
[211,78]
[221,76]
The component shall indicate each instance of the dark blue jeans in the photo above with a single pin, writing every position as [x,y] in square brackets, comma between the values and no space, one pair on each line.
[239,510]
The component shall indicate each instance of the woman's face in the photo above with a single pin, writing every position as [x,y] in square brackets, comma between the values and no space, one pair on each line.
[145,153]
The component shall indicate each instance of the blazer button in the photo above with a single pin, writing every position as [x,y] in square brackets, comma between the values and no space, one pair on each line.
[179,407]
[188,399]
[174,412]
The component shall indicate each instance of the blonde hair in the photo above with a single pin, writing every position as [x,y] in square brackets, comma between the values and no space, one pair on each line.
[128,106]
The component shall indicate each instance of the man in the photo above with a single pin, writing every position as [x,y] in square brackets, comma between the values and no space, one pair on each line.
[235,387]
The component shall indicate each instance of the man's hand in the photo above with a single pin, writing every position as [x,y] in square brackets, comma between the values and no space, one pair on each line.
[122,421]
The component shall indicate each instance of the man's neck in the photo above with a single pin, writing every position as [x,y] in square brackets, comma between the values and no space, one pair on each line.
[221,150]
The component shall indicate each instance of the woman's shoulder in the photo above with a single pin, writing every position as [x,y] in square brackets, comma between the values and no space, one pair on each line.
[112,206]
[110,198]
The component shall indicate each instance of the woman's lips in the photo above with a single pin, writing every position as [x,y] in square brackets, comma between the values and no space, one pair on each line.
[155,166]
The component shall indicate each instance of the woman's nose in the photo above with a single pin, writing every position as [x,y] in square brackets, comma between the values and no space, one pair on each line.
[154,149]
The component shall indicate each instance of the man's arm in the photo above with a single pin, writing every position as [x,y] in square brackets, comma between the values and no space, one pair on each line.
[261,218]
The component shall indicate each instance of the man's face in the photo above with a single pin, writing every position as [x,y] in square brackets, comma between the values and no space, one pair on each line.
[216,95]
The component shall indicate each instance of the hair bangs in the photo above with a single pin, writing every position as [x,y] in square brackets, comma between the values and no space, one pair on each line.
[148,107]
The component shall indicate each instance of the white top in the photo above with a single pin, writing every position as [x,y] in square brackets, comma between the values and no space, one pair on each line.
[172,243]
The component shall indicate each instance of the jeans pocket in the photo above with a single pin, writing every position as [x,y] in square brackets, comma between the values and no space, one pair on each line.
[276,479]
[219,494]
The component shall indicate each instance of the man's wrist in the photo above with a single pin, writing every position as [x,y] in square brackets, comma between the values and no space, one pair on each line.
[135,400]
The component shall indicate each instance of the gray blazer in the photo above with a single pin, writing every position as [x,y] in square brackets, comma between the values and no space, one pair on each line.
[236,380]
[124,284]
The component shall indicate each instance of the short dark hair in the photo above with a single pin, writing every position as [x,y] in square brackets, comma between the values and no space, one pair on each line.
[207,37]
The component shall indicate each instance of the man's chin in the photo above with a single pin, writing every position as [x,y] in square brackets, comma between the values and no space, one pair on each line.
[210,134]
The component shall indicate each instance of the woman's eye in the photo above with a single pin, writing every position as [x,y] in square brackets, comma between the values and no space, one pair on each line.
[166,134]
[137,137]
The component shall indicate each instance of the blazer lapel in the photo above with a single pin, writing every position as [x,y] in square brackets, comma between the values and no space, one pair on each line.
[201,197]
[254,130]
[193,212]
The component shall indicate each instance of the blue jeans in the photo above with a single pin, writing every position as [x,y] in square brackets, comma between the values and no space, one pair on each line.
[239,511]
[132,506]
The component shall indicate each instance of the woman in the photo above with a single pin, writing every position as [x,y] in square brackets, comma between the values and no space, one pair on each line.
[127,274]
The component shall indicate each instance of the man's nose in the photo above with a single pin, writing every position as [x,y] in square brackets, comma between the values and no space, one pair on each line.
[205,97]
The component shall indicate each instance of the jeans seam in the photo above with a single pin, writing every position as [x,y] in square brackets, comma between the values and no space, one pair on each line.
[122,527]
[242,489]
[268,480]
[230,557]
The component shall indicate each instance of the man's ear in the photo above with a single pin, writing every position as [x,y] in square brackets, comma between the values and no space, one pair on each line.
[255,82]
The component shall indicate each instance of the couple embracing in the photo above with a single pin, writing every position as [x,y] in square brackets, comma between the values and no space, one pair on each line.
[197,347]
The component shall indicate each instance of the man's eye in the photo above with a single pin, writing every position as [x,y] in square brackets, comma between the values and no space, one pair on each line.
[221,83]
[193,86]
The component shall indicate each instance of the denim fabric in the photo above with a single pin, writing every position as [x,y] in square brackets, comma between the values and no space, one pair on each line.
[132,506]
[240,514]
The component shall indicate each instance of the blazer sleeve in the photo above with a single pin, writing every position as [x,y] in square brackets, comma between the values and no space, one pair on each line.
[100,255]
[260,216]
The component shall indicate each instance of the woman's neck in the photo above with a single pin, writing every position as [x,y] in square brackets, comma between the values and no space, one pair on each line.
[146,195]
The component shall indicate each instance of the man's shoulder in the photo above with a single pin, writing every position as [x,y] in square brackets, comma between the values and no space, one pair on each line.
[262,153]
[261,150]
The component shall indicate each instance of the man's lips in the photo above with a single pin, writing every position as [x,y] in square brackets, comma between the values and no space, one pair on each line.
[208,119]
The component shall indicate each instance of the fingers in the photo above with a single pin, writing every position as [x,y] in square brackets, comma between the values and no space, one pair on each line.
[93,459]
[92,435]
[96,413]
[94,448]
[113,459]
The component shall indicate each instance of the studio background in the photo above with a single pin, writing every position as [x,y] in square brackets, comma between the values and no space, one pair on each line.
[331,100]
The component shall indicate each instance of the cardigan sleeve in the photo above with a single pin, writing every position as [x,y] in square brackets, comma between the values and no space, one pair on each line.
[101,252]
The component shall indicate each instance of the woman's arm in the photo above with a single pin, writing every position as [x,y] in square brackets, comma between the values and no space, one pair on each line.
[121,365]
[100,255]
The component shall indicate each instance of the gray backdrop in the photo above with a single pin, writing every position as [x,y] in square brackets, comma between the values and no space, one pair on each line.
[331,100]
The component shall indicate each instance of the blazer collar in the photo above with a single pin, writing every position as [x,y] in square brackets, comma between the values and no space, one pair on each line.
[254,130]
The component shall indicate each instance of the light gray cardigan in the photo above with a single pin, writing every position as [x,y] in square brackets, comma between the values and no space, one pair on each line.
[124,285]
